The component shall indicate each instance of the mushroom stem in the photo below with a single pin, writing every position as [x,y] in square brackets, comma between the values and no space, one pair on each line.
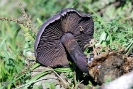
[75,51]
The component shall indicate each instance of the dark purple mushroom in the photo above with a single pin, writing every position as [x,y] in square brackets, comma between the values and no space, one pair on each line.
[70,31]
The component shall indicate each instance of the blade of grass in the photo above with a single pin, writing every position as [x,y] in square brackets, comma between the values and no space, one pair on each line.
[34,79]
[61,70]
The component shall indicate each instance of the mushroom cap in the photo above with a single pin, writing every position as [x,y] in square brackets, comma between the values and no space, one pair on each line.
[49,50]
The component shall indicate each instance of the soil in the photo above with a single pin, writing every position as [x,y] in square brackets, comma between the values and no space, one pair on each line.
[110,66]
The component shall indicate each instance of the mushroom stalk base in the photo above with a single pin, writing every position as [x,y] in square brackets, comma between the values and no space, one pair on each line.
[75,51]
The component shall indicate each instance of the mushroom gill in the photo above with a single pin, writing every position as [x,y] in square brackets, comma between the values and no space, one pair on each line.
[68,26]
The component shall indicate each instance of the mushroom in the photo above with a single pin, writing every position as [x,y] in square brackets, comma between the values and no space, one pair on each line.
[65,33]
